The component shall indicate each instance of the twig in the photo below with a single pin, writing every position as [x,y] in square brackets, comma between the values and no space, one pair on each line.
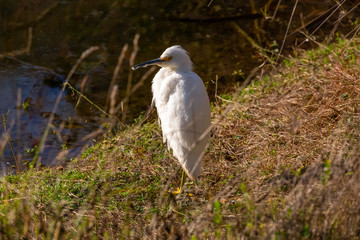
[40,149]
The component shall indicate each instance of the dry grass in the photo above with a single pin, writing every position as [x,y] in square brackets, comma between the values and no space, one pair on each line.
[297,138]
[283,164]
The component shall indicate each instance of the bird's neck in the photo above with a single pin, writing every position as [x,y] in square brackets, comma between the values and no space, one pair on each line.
[182,68]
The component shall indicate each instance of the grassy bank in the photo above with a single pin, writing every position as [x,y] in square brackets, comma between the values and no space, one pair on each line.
[283,163]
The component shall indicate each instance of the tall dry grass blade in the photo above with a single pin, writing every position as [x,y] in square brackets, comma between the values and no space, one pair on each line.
[87,99]
[18,129]
[276,9]
[125,100]
[18,133]
[252,74]
[246,36]
[310,38]
[256,21]
[6,139]
[40,149]
[82,88]
[147,114]
[92,135]
[29,42]
[287,30]
[345,14]
[39,17]
[113,99]
[130,76]
[304,25]
[325,20]
[355,29]
[142,79]
[116,73]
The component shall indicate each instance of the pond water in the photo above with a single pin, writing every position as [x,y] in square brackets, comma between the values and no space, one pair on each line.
[62,30]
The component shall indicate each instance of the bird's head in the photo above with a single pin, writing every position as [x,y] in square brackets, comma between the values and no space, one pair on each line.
[174,57]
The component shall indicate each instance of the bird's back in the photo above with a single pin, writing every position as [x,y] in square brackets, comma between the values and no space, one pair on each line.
[184,112]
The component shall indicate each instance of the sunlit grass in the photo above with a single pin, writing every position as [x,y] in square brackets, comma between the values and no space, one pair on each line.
[283,157]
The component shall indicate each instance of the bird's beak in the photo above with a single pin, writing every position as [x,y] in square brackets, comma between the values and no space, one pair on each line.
[148,63]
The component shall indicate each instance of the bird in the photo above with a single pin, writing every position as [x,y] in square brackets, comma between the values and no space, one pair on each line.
[183,108]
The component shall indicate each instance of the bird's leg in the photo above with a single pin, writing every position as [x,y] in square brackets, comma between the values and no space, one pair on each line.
[183,176]
[179,190]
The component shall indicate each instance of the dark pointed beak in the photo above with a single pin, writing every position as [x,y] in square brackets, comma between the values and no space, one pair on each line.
[148,63]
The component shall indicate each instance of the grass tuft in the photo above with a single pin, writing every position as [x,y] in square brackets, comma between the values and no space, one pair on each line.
[283,163]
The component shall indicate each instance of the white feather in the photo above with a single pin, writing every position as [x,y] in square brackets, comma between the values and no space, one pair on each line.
[184,110]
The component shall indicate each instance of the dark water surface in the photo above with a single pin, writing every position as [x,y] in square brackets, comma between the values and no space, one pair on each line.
[62,30]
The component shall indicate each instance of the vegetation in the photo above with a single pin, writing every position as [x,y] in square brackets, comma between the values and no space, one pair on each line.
[283,164]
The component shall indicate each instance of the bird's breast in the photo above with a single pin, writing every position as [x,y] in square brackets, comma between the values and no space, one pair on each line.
[165,84]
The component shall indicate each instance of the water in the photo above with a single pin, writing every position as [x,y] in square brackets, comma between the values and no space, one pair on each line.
[62,30]
[27,96]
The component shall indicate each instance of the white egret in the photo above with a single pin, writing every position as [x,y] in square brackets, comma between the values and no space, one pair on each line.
[183,108]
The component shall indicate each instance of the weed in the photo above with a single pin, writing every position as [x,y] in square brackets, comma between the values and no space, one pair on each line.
[282,164]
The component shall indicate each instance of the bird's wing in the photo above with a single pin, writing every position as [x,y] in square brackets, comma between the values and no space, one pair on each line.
[184,111]
[194,123]
[195,110]
[163,87]
[182,105]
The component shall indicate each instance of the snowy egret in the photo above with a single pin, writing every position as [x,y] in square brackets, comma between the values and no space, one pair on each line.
[183,108]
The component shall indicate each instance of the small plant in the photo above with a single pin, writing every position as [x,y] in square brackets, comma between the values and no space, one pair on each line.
[239,73]
[217,213]
[25,105]
[226,96]
[32,150]
[326,172]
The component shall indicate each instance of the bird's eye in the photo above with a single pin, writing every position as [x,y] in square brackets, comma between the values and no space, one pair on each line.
[166,58]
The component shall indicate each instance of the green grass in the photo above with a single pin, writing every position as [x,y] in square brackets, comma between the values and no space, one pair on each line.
[283,163]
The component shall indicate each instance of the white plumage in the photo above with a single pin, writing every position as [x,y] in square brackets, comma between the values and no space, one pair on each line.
[183,108]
